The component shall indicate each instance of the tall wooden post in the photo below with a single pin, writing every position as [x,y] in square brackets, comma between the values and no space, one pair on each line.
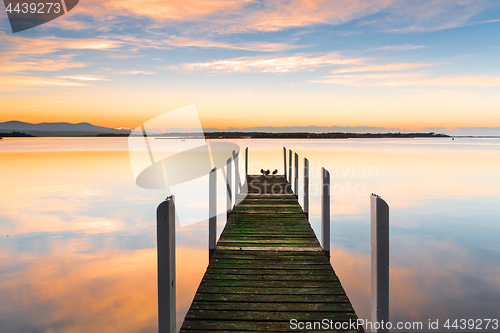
[284,161]
[165,238]
[306,186]
[236,175]
[246,163]
[325,211]
[296,185]
[212,211]
[380,259]
[290,166]
[229,202]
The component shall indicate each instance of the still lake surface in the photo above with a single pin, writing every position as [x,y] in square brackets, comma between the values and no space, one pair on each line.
[78,237]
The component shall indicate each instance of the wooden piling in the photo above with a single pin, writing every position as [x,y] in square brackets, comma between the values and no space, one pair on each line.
[379,210]
[212,211]
[325,210]
[306,186]
[237,182]
[284,162]
[246,161]
[165,233]
[296,180]
[229,192]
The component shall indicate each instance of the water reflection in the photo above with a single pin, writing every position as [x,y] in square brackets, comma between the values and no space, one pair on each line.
[80,252]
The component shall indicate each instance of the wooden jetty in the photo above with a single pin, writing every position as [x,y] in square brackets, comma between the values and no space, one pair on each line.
[268,268]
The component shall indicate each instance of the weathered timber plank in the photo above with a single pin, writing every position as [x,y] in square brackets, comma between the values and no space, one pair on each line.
[267,316]
[268,253]
[271,257]
[289,299]
[276,261]
[281,307]
[276,244]
[271,291]
[269,284]
[243,326]
[263,242]
[274,271]
[268,277]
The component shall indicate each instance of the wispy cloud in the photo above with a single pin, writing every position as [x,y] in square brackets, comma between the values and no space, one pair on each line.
[160,40]
[403,47]
[249,46]
[296,63]
[407,16]
[409,79]
[489,21]
[84,77]
[17,46]
[52,64]
[132,72]
[378,68]
[15,82]
[21,55]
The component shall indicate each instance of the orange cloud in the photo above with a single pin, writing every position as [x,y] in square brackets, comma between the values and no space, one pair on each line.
[237,16]
[242,16]
[25,55]
[18,46]
[283,14]
[172,10]
[12,82]
[51,64]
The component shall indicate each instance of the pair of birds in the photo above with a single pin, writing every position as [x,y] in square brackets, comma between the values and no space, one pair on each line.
[267,172]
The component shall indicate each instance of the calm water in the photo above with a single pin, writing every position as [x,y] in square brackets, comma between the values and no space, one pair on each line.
[78,237]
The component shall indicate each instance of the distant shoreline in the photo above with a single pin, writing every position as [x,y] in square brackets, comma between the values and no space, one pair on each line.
[255,135]
[296,135]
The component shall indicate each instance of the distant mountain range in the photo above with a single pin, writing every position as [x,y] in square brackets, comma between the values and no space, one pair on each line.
[58,129]
[86,129]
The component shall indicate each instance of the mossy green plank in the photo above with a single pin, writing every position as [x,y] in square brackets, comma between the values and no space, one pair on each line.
[272,316]
[269,257]
[274,277]
[243,326]
[333,290]
[322,271]
[270,253]
[289,299]
[282,307]
[268,284]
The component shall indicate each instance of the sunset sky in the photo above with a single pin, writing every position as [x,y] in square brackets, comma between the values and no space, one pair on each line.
[394,63]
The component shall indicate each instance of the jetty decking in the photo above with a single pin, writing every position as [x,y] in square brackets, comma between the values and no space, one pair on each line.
[267,269]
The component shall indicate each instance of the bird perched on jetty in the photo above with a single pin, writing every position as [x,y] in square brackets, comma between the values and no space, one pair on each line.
[275,172]
[267,172]
[262,171]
